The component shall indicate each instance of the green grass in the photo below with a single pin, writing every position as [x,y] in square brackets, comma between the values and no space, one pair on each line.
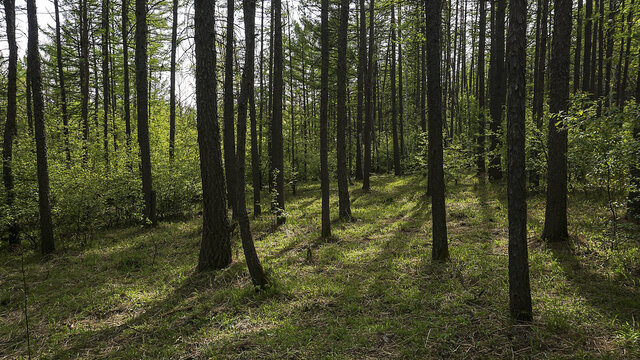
[371,292]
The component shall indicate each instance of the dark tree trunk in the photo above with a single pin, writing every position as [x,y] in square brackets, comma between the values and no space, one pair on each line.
[256,138]
[633,203]
[63,91]
[172,90]
[33,58]
[277,156]
[609,53]
[576,55]
[362,73]
[594,54]
[228,132]
[29,106]
[142,101]
[600,83]
[125,71]
[105,80]
[324,100]
[258,276]
[400,93]
[480,136]
[84,77]
[215,249]
[519,289]
[394,126]
[440,249]
[341,151]
[622,92]
[369,107]
[555,226]
[586,67]
[540,65]
[10,126]
[497,89]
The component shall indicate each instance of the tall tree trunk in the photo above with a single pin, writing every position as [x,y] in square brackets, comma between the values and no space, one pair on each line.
[324,100]
[400,93]
[125,71]
[215,249]
[369,106]
[622,92]
[576,56]
[586,67]
[609,52]
[394,126]
[633,201]
[497,87]
[172,90]
[105,80]
[362,73]
[555,226]
[256,156]
[341,150]
[228,132]
[519,289]
[440,249]
[594,54]
[63,91]
[277,156]
[480,136]
[539,71]
[84,77]
[142,101]
[258,276]
[600,83]
[10,126]
[33,58]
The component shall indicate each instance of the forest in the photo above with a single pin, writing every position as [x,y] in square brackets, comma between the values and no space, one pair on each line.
[320,179]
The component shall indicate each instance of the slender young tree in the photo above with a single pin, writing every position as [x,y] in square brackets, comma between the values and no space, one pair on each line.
[480,136]
[497,87]
[519,289]
[215,248]
[633,201]
[369,107]
[84,77]
[394,126]
[324,114]
[228,133]
[10,126]
[125,73]
[172,90]
[33,58]
[61,84]
[440,249]
[576,56]
[362,73]
[105,80]
[586,64]
[142,101]
[555,221]
[277,151]
[400,93]
[258,276]
[341,151]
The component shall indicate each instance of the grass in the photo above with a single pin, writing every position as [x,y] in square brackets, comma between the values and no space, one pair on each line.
[371,292]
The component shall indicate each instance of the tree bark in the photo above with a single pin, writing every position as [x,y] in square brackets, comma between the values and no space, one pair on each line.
[480,136]
[440,249]
[61,84]
[576,56]
[369,107]
[84,77]
[586,67]
[277,156]
[215,249]
[33,58]
[519,288]
[394,122]
[555,226]
[105,80]
[228,132]
[362,73]
[172,90]
[125,71]
[324,100]
[497,89]
[10,126]
[142,101]
[344,205]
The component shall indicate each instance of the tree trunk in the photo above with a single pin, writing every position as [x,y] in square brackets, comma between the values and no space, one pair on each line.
[622,92]
[341,151]
[10,126]
[394,126]
[497,89]
[142,101]
[555,226]
[105,80]
[440,249]
[63,91]
[369,107]
[172,90]
[362,73]
[33,58]
[400,93]
[576,56]
[215,249]
[586,67]
[519,289]
[633,202]
[480,136]
[228,132]
[324,100]
[84,77]
[125,71]
[277,156]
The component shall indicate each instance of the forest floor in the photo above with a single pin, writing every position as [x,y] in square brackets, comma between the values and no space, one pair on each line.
[371,292]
